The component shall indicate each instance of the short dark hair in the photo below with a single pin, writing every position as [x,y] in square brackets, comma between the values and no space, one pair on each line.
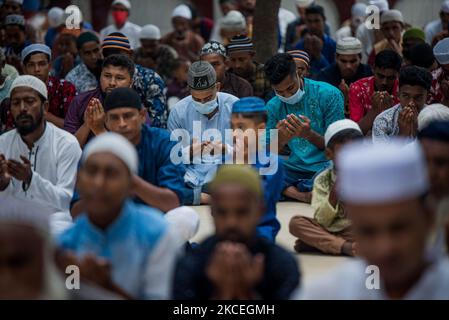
[388,59]
[120,60]
[28,57]
[257,117]
[278,67]
[344,136]
[421,55]
[316,9]
[415,76]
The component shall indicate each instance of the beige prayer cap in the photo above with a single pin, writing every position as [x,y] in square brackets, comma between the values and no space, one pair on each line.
[391,15]
[349,45]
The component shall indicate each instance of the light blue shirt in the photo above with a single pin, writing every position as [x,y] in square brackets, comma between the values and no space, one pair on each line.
[198,126]
[323,104]
[139,245]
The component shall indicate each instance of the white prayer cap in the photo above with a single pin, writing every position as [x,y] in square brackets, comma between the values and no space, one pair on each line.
[358,10]
[30,82]
[381,4]
[392,15]
[124,3]
[35,47]
[117,145]
[441,51]
[35,219]
[55,17]
[431,113]
[381,173]
[339,126]
[150,31]
[349,45]
[304,3]
[182,11]
[17,1]
[445,7]
[233,21]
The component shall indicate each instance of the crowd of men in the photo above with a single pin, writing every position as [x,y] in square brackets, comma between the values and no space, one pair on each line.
[107,140]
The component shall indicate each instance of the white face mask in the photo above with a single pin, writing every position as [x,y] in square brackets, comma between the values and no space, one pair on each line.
[206,108]
[295,98]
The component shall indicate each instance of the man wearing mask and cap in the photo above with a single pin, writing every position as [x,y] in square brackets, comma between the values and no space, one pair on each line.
[120,13]
[159,183]
[236,263]
[186,42]
[435,27]
[38,161]
[301,111]
[86,74]
[347,67]
[358,15]
[392,26]
[402,119]
[384,188]
[215,53]
[131,246]
[154,55]
[439,93]
[210,109]
[371,36]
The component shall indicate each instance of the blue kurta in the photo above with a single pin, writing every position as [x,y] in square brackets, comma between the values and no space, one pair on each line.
[184,116]
[155,166]
[131,244]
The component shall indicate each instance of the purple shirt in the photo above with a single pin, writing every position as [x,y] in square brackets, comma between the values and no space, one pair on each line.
[74,118]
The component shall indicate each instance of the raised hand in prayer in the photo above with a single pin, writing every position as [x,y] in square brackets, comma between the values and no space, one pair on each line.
[249,271]
[298,126]
[4,175]
[381,101]
[20,171]
[95,116]
[283,133]
[407,121]
[234,272]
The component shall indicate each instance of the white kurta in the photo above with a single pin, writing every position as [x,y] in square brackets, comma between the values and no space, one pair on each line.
[348,282]
[54,160]
[129,29]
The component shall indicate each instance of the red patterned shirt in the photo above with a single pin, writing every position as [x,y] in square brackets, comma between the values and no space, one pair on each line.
[360,97]
[435,94]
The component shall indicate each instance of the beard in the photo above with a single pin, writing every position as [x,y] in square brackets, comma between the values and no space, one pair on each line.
[33,124]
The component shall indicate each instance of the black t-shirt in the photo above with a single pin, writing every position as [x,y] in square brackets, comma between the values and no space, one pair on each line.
[281,273]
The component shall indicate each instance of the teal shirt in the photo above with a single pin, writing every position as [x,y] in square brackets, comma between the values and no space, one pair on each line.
[323,104]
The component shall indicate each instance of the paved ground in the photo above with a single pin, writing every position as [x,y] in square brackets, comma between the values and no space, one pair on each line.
[311,264]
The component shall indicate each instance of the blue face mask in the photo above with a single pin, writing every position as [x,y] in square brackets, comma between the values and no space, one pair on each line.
[295,98]
[205,108]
